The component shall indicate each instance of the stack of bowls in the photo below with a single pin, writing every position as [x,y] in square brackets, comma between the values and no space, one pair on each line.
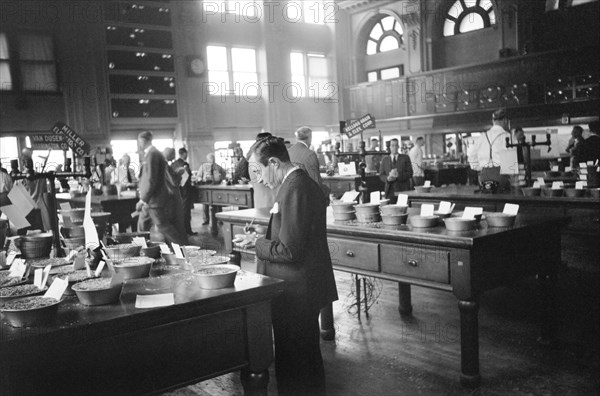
[422,189]
[343,211]
[367,213]
[500,219]
[122,251]
[394,214]
[532,191]
[574,192]
[424,221]
[35,246]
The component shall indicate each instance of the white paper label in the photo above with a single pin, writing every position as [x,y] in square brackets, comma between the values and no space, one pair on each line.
[57,288]
[88,269]
[557,185]
[402,200]
[99,268]
[582,165]
[10,258]
[511,209]
[583,171]
[79,262]
[65,206]
[375,197]
[580,185]
[536,184]
[350,196]
[72,254]
[134,214]
[38,275]
[541,181]
[470,212]
[567,169]
[177,250]
[445,207]
[140,241]
[164,248]
[427,210]
[154,300]
[555,168]
[590,163]
[17,269]
[46,274]
[427,183]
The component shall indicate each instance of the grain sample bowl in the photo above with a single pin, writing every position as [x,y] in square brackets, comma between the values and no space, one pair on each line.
[75,215]
[35,246]
[532,191]
[344,216]
[367,209]
[122,251]
[424,221]
[170,259]
[20,291]
[339,206]
[477,217]
[554,192]
[134,267]
[6,281]
[368,217]
[217,276]
[395,219]
[500,219]
[30,311]
[152,251]
[127,237]
[574,193]
[393,210]
[423,189]
[74,276]
[97,291]
[460,224]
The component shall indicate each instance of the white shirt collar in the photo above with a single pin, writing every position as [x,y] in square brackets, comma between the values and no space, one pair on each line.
[147,149]
[304,143]
[288,173]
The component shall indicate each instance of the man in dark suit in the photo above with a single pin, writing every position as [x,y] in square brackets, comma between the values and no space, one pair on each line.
[295,249]
[395,171]
[302,156]
[156,197]
[180,167]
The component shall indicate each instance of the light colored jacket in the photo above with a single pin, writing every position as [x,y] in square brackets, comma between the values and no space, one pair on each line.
[479,153]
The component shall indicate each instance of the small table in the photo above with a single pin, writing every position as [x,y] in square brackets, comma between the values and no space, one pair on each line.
[219,195]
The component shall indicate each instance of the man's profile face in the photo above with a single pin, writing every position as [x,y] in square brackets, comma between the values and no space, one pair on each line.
[260,173]
[394,147]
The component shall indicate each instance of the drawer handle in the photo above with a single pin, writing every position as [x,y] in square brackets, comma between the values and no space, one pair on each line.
[236,198]
[413,263]
[350,253]
[218,196]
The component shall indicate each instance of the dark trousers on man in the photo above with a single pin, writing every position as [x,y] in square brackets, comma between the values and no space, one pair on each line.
[164,220]
[186,198]
[298,362]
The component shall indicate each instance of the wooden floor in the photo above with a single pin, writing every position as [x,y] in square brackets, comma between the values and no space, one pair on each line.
[420,354]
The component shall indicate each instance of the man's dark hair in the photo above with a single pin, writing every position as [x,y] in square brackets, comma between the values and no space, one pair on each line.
[270,146]
[146,135]
[263,135]
[499,114]
[182,150]
[420,138]
[394,140]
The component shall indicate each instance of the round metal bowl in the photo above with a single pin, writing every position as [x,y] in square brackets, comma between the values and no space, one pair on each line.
[134,267]
[43,262]
[395,219]
[344,216]
[477,217]
[422,189]
[152,251]
[74,243]
[74,277]
[217,276]
[339,206]
[393,210]
[20,291]
[97,291]
[532,191]
[424,221]
[367,209]
[170,259]
[553,192]
[122,251]
[35,246]
[459,224]
[197,251]
[30,311]
[574,193]
[500,219]
[368,217]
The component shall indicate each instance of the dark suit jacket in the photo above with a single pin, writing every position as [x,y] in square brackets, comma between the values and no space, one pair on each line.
[591,148]
[306,159]
[152,184]
[402,183]
[295,246]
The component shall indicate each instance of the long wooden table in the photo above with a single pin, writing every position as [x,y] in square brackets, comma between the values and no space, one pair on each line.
[120,349]
[463,263]
[219,195]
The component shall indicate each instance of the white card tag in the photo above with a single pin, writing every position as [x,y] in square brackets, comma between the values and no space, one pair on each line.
[103,253]
[580,185]
[88,269]
[511,209]
[583,171]
[79,262]
[567,169]
[164,248]
[17,269]
[555,168]
[117,279]
[590,163]
[72,254]
[350,196]
[541,181]
[46,274]
[445,207]
[375,197]
[57,288]
[427,210]
[427,183]
[140,241]
[557,185]
[99,268]
[38,275]
[10,258]
[582,165]
[65,206]
[154,300]
[402,200]
[536,184]
[177,250]
[470,212]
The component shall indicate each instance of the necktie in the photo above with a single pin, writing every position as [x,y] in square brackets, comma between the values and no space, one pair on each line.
[394,161]
[128,175]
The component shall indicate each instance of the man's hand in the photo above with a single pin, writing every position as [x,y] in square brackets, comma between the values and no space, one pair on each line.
[140,205]
[391,178]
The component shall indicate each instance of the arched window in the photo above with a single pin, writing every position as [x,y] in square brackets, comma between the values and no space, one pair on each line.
[386,35]
[468,15]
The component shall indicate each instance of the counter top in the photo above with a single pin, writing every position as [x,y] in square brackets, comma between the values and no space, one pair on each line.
[232,187]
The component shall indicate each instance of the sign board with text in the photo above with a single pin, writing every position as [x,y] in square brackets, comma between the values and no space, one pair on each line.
[47,141]
[75,142]
[357,126]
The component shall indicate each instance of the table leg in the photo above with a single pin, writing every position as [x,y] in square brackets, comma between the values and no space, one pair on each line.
[255,384]
[327,329]
[405,301]
[214,229]
[364,280]
[357,281]
[469,343]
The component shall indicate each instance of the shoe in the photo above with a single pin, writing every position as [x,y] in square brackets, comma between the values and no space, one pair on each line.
[205,223]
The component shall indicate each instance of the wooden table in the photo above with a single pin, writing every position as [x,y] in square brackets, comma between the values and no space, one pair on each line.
[119,207]
[465,263]
[219,195]
[583,213]
[120,349]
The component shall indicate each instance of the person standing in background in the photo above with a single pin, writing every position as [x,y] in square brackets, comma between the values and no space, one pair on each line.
[263,196]
[302,156]
[180,166]
[124,175]
[591,145]
[373,161]
[210,173]
[396,172]
[39,217]
[240,170]
[575,146]
[416,159]
[157,200]
[6,183]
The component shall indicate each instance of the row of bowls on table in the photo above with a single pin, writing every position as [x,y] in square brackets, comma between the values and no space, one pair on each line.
[559,192]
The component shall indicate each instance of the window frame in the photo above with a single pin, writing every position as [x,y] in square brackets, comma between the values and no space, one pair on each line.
[399,36]
[466,11]
[310,79]
[306,5]
[230,89]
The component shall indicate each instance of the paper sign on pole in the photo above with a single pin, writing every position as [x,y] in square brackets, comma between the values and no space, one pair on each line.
[347,169]
[427,183]
[89,228]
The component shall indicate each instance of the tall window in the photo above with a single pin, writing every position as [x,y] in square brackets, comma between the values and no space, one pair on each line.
[469,15]
[310,75]
[308,11]
[385,36]
[232,71]
[34,61]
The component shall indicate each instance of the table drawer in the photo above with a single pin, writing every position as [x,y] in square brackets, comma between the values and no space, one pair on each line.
[238,198]
[416,261]
[354,254]
[202,196]
[219,197]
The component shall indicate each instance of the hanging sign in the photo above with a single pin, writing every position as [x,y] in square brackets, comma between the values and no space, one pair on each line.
[355,127]
[48,141]
[75,142]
